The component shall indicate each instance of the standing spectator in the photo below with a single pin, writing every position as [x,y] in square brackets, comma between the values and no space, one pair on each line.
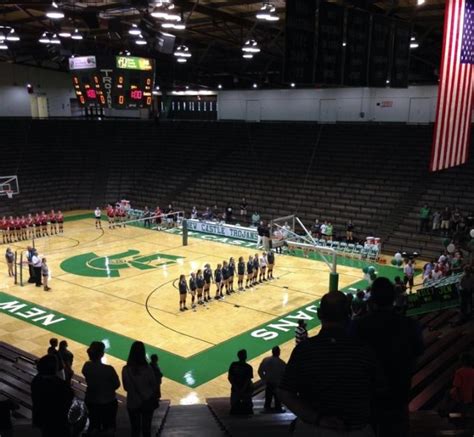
[141,386]
[330,378]
[194,213]
[158,375]
[301,333]
[401,298]
[323,230]
[329,231]
[36,263]
[445,221]
[102,382]
[463,384]
[228,214]
[146,217]
[240,376]
[67,359]
[52,397]
[6,408]
[271,371]
[425,215]
[350,231]
[45,274]
[456,219]
[255,219]
[260,233]
[436,221]
[467,290]
[316,228]
[243,209]
[397,342]
[53,344]
[10,259]
[409,274]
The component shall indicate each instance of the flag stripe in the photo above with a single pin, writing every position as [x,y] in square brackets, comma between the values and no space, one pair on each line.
[451,135]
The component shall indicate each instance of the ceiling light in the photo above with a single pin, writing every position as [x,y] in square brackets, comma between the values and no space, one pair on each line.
[387,81]
[255,85]
[64,34]
[182,51]
[44,38]
[55,40]
[13,36]
[251,46]
[157,88]
[247,56]
[76,35]
[219,86]
[54,12]
[292,84]
[140,41]
[134,30]
[182,60]
[163,10]
[420,2]
[267,12]
[173,26]
[414,45]
[3,46]
[2,36]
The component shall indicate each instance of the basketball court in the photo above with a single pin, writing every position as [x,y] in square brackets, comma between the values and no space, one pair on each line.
[118,285]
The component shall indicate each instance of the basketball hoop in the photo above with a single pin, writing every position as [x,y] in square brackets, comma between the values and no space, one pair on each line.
[9,194]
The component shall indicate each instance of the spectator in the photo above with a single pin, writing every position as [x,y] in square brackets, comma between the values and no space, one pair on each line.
[466,292]
[316,228]
[463,384]
[102,381]
[243,208]
[401,298]
[52,397]
[207,214]
[329,231]
[271,370]
[350,232]
[359,305]
[240,377]
[330,378]
[10,259]
[158,375]
[456,219]
[260,233]
[67,358]
[301,333]
[255,219]
[425,214]
[436,221]
[194,213]
[141,386]
[6,408]
[409,274]
[397,341]
[53,344]
[228,213]
[323,229]
[445,221]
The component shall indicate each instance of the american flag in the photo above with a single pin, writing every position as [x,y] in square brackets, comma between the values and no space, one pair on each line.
[452,129]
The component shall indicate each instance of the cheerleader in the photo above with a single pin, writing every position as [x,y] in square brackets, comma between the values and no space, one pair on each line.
[52,222]
[249,281]
[199,285]
[225,277]
[256,267]
[31,226]
[192,289]
[183,289]
[271,263]
[44,224]
[37,223]
[207,282]
[240,273]
[263,267]
[219,282]
[60,221]
[231,274]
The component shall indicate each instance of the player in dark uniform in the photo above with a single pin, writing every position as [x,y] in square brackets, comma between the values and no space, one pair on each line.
[199,285]
[240,273]
[231,274]
[225,276]
[207,282]
[249,281]
[271,264]
[192,289]
[219,282]
[183,289]
[256,266]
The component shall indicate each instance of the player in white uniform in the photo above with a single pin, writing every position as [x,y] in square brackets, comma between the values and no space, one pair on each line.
[98,215]
[263,267]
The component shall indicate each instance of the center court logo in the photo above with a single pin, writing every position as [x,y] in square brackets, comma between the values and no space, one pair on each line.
[92,265]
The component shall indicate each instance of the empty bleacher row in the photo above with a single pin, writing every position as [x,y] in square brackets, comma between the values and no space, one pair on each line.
[374,174]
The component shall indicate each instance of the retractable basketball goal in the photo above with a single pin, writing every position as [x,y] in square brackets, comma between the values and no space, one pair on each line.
[9,186]
[293,233]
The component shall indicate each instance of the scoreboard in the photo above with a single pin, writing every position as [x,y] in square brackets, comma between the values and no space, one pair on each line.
[121,82]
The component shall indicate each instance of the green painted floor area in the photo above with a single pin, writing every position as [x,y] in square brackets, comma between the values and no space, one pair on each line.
[204,366]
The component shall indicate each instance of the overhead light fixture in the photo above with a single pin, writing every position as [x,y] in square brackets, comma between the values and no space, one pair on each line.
[420,2]
[55,40]
[182,51]
[413,43]
[267,12]
[134,30]
[76,35]
[157,88]
[3,46]
[251,46]
[387,81]
[179,26]
[219,86]
[247,56]
[54,12]
[292,84]
[44,39]
[182,60]
[140,41]
[163,10]
[64,34]
[255,85]
[12,36]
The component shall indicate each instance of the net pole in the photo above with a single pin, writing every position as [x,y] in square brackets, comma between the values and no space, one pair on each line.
[21,268]
[15,270]
[185,232]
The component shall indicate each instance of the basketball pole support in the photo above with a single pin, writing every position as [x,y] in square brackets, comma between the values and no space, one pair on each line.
[185,232]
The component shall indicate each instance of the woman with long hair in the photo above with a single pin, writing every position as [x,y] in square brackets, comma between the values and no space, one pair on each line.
[141,386]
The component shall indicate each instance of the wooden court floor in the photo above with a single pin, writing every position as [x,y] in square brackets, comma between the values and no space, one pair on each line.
[118,285]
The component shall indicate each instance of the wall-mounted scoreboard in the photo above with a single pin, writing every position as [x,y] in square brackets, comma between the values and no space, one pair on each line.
[121,82]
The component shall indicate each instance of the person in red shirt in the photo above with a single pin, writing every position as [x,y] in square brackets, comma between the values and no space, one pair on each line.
[44,224]
[23,226]
[52,222]
[30,226]
[111,216]
[11,229]
[463,383]
[3,227]
[158,213]
[37,223]
[60,221]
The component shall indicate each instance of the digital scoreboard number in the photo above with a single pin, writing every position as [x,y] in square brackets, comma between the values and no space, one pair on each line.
[88,88]
[133,82]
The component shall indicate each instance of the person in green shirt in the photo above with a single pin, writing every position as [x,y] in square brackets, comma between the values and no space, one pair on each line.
[329,231]
[425,215]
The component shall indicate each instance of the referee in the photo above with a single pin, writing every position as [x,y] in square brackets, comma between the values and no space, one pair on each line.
[37,264]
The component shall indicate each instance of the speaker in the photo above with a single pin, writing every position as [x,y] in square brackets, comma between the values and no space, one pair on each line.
[164,43]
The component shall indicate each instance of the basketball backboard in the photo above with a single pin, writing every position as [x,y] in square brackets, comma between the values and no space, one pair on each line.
[9,186]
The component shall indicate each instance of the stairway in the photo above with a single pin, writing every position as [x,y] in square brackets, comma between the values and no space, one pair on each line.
[191,420]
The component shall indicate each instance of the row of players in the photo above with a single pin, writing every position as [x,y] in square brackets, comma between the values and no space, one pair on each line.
[258,269]
[116,216]
[24,228]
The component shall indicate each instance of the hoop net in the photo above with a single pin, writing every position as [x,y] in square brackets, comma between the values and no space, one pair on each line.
[9,194]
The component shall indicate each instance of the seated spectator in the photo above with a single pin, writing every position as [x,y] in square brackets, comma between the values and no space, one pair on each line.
[102,382]
[255,219]
[52,397]
[158,375]
[271,370]
[397,341]
[330,378]
[240,376]
[6,408]
[463,384]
